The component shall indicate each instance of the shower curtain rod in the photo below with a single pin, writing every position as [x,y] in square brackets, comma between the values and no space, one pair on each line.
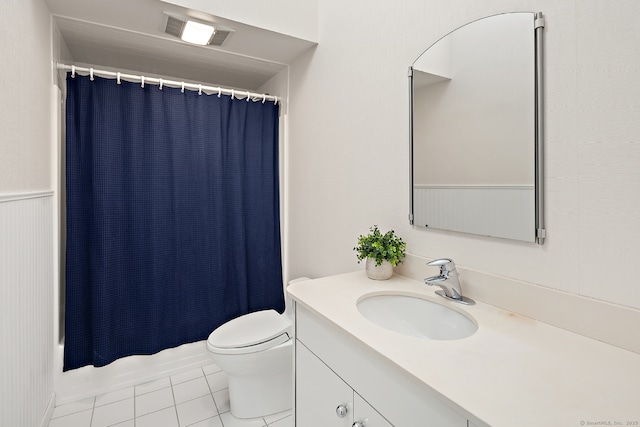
[240,94]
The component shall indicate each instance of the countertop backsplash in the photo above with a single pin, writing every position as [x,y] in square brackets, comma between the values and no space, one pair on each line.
[592,318]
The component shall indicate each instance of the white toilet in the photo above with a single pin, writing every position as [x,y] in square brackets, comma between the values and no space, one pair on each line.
[256,352]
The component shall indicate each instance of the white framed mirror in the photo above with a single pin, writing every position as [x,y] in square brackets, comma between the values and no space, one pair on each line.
[476,130]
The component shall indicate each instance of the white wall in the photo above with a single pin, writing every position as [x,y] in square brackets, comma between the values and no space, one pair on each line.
[279,86]
[26,271]
[291,17]
[349,151]
[24,111]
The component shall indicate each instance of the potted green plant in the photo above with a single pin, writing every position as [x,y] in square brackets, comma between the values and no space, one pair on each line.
[382,252]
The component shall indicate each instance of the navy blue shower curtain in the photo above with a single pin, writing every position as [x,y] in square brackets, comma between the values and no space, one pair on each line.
[173,221]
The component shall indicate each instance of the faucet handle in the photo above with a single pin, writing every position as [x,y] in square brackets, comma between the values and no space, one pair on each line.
[445,264]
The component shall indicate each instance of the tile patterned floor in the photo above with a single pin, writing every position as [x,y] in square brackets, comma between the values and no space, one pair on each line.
[197,398]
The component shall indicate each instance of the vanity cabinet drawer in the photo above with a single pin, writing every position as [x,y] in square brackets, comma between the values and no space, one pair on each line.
[399,397]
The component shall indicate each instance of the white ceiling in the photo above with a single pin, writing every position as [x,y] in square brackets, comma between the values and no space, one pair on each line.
[129,35]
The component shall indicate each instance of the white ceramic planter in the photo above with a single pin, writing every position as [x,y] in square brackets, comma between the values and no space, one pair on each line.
[380,272]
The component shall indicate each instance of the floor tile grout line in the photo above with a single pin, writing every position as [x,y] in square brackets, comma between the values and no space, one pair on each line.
[214,399]
[134,419]
[94,405]
[190,379]
[93,410]
[218,414]
[73,412]
[171,385]
[142,394]
[175,405]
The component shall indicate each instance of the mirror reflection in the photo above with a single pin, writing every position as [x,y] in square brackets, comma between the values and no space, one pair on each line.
[473,129]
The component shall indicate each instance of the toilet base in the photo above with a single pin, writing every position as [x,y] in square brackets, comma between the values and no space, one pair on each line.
[251,397]
[260,383]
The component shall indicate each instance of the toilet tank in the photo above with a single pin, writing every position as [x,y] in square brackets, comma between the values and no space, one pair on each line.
[298,280]
[288,309]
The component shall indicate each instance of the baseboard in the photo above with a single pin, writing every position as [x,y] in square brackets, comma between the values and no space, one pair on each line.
[589,317]
[49,412]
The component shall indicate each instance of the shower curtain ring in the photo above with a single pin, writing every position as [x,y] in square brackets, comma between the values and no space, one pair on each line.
[182,90]
[264,98]
[160,84]
[219,92]
[248,96]
[118,78]
[142,81]
[233,94]
[73,71]
[91,74]
[199,89]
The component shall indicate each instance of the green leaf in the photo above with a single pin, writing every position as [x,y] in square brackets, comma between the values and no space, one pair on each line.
[381,247]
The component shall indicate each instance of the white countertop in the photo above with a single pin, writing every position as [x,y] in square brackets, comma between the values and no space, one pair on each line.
[513,372]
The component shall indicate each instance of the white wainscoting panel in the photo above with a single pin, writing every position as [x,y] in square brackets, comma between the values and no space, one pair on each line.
[26,308]
[499,211]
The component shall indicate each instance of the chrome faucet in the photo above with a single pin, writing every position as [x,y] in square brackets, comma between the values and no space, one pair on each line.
[448,281]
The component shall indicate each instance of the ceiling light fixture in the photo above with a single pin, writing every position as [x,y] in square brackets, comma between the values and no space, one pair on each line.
[197,33]
[176,24]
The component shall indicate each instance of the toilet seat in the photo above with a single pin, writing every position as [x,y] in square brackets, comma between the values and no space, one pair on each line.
[250,333]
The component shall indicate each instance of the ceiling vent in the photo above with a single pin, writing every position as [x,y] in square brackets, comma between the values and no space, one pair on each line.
[175,26]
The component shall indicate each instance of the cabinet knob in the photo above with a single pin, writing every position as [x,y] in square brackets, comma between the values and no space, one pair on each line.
[358,424]
[341,411]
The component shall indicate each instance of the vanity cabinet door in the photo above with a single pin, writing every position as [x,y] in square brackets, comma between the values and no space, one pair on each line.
[319,391]
[366,415]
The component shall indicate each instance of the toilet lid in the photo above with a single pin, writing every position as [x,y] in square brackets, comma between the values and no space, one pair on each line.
[250,330]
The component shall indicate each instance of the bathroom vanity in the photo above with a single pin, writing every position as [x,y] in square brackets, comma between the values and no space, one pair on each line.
[513,371]
[332,371]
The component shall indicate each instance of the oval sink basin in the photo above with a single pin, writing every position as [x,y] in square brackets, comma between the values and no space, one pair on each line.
[416,317]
